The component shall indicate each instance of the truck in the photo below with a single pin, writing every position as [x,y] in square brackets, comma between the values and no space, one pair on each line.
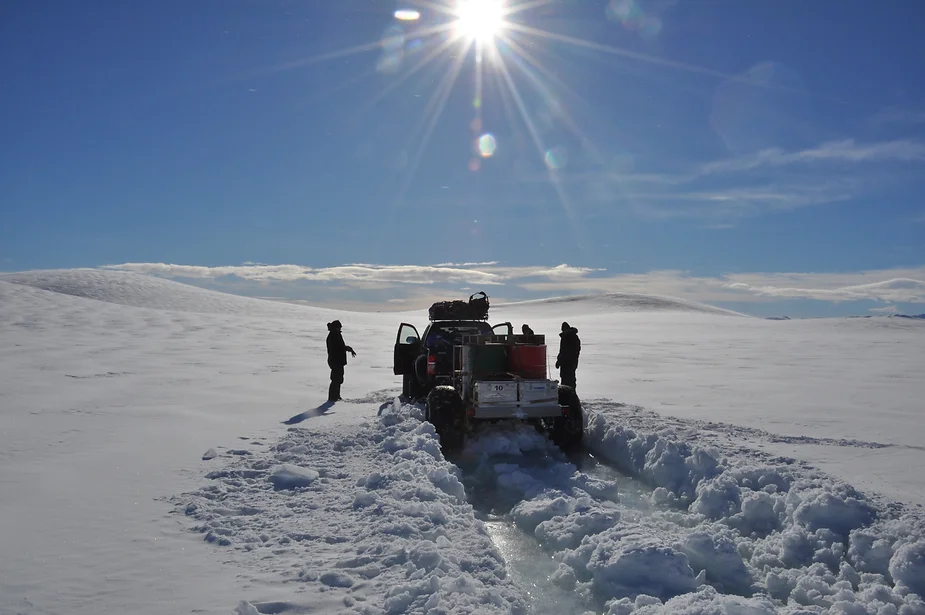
[467,372]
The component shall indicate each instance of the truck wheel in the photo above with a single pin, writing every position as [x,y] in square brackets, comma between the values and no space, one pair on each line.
[444,409]
[568,430]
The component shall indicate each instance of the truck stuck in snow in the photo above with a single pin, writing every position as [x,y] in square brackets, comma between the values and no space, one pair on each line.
[468,372]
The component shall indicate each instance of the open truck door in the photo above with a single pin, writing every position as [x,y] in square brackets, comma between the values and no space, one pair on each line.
[505,328]
[407,348]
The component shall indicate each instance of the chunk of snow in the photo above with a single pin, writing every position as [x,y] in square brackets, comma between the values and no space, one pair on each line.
[337,578]
[907,566]
[626,561]
[288,476]
[246,608]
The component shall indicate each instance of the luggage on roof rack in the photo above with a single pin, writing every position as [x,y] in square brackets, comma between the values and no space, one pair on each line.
[476,308]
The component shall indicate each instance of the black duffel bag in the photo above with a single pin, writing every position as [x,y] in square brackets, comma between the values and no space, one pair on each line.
[478,306]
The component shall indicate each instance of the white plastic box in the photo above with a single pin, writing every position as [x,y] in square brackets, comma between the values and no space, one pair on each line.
[534,391]
[497,392]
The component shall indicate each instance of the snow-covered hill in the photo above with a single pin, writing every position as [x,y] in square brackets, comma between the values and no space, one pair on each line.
[163,449]
[136,290]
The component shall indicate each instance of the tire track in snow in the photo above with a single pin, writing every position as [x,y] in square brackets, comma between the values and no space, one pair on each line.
[543,507]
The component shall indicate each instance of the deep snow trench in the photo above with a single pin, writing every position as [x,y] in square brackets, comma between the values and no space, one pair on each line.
[372,519]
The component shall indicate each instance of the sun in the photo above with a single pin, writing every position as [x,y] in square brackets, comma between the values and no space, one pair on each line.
[480,20]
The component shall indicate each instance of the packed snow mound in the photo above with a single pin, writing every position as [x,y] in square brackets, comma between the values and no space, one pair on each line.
[603,303]
[138,290]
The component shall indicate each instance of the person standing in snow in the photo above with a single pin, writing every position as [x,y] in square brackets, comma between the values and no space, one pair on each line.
[567,360]
[527,330]
[337,359]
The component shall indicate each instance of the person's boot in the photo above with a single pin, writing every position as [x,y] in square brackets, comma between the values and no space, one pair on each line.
[333,393]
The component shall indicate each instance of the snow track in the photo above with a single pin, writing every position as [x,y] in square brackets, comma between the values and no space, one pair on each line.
[640,522]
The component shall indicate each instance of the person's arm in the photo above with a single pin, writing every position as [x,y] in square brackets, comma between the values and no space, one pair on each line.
[350,350]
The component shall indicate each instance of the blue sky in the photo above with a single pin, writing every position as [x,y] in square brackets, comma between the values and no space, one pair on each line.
[767,156]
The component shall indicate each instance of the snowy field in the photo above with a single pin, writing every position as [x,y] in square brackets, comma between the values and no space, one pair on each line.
[163,449]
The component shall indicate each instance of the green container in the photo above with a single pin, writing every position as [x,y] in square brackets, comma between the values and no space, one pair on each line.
[482,360]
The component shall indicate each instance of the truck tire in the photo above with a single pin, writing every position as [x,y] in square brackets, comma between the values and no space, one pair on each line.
[444,409]
[568,430]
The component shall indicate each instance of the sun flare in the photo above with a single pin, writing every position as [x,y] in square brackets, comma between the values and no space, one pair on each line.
[480,20]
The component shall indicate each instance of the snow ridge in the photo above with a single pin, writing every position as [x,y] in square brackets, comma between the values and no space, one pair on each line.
[385,490]
[761,526]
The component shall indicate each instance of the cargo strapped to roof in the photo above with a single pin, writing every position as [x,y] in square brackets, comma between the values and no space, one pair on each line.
[476,308]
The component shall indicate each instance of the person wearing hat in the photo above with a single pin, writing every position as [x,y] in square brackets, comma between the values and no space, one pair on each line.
[567,360]
[337,359]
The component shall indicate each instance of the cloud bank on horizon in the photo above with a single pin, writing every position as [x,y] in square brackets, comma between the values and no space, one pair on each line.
[403,283]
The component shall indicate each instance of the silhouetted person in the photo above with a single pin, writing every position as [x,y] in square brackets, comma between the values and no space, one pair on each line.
[337,359]
[569,349]
[527,330]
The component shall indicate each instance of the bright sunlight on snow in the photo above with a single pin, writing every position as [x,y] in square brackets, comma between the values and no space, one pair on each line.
[166,449]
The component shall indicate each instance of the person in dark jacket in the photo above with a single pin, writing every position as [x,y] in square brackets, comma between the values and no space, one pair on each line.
[567,360]
[337,359]
[527,330]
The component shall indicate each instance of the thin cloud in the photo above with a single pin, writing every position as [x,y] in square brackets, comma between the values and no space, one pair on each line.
[358,274]
[751,185]
[559,272]
[740,202]
[892,285]
[847,150]
[899,290]
[361,274]
[483,264]
[668,283]
[843,151]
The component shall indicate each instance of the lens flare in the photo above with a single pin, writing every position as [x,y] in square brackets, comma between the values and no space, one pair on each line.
[407,15]
[556,158]
[487,145]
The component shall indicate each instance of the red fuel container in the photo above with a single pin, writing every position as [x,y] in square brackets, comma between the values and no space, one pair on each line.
[528,361]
